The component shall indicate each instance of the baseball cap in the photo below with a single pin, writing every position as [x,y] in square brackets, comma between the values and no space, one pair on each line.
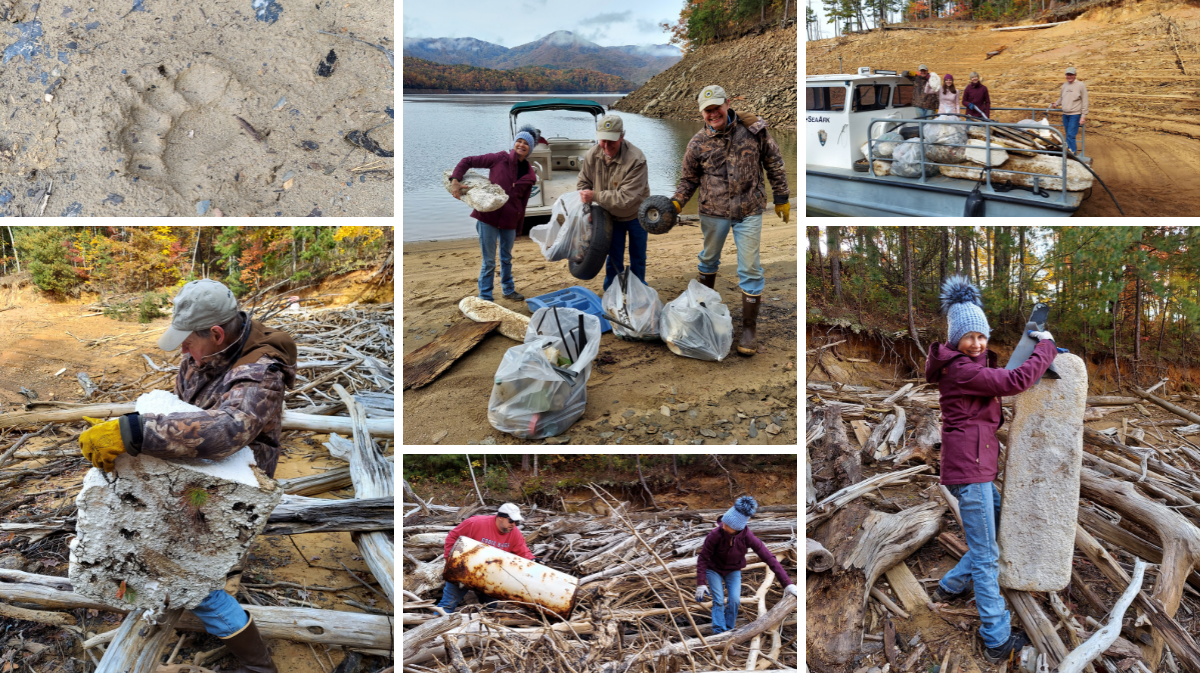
[713,94]
[200,305]
[922,67]
[510,511]
[609,128]
[1070,71]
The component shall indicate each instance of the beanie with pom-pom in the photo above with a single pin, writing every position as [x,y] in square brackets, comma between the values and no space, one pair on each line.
[962,303]
[739,514]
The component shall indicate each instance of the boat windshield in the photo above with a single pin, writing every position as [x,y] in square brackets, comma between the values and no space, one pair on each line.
[828,99]
[869,97]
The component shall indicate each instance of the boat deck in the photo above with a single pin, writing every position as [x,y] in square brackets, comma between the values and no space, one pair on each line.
[849,192]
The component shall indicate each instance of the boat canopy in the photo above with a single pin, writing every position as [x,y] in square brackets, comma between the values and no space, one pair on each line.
[576,104]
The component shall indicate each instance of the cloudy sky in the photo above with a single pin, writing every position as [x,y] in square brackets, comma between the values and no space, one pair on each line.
[516,22]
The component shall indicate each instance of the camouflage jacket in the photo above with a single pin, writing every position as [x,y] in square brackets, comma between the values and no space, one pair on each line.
[728,165]
[241,390]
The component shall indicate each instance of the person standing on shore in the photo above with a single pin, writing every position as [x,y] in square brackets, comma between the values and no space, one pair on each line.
[725,160]
[614,176]
[947,96]
[1073,99]
[977,94]
[926,102]
[513,173]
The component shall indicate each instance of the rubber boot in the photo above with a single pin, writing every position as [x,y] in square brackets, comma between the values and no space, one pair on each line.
[748,344]
[707,279]
[251,650]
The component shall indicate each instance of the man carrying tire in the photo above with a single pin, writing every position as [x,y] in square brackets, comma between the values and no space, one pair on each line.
[725,161]
[614,176]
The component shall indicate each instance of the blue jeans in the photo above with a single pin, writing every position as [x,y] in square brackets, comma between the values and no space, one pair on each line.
[747,234]
[452,594]
[724,612]
[922,112]
[1071,122]
[221,614]
[488,237]
[979,504]
[616,251]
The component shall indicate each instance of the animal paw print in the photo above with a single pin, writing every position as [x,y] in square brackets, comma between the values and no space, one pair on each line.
[183,134]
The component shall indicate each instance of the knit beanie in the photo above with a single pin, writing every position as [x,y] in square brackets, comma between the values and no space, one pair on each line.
[963,306]
[524,135]
[739,514]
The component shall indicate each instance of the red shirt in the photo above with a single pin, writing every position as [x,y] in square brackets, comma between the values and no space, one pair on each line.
[483,528]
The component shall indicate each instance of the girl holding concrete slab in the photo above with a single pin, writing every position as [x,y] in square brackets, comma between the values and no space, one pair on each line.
[970,386]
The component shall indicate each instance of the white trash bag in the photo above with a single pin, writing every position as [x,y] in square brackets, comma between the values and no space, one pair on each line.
[567,234]
[478,192]
[697,324]
[633,302]
[530,399]
[908,160]
[946,133]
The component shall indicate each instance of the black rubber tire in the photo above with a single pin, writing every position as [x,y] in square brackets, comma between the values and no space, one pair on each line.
[862,166]
[597,250]
[657,214]
[909,132]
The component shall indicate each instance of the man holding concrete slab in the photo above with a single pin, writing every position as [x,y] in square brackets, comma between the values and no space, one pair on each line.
[237,370]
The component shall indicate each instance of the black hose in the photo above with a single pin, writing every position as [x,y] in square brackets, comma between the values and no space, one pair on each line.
[1072,156]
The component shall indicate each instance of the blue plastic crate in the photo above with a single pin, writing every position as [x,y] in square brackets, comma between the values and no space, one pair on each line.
[575,297]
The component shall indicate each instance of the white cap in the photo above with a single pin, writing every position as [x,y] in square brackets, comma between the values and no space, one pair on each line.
[511,512]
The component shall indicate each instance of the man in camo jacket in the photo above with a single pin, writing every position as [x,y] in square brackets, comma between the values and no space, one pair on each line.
[237,370]
[726,160]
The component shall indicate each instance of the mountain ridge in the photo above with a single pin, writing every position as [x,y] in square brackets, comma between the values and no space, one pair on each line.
[559,49]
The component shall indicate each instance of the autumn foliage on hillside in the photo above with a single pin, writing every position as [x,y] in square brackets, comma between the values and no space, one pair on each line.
[422,74]
[705,21]
[65,260]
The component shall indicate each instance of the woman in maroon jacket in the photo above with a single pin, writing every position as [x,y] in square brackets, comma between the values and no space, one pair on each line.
[977,94]
[722,558]
[513,173]
[970,387]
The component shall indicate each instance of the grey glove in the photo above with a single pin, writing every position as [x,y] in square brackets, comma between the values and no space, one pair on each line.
[1041,335]
[702,593]
[791,588]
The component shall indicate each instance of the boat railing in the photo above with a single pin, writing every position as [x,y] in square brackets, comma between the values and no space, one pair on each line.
[988,126]
[1060,126]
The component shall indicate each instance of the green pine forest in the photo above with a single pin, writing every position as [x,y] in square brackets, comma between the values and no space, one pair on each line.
[421,74]
[1124,298]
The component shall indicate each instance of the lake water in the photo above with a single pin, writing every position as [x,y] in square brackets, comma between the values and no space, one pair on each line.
[441,129]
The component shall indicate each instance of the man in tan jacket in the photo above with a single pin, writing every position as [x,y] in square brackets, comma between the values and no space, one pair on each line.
[1074,103]
[614,176]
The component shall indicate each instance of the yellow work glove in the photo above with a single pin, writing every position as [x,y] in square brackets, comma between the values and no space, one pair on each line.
[102,443]
[783,210]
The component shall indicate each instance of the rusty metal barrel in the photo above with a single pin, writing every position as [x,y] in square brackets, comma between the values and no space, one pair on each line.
[504,576]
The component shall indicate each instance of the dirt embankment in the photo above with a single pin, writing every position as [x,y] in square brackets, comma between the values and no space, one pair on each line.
[758,71]
[630,381]
[1142,74]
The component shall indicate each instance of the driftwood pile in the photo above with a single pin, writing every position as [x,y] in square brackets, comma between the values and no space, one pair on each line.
[635,605]
[1139,501]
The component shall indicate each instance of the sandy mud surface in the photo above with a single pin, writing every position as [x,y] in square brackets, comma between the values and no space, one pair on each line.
[630,381]
[176,108]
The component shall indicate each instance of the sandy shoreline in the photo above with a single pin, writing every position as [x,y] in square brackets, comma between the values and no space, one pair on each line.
[635,379]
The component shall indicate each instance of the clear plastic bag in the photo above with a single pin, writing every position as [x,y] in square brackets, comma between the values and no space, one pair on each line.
[908,160]
[567,234]
[530,399]
[945,134]
[697,324]
[633,302]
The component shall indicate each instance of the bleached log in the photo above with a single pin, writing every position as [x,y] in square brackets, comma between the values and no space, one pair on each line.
[1100,641]
[761,600]
[817,558]
[1040,25]
[136,646]
[414,639]
[319,626]
[373,478]
[1048,166]
[292,421]
[835,501]
[300,515]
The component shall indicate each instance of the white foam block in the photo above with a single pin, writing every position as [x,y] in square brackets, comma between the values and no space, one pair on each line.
[235,467]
